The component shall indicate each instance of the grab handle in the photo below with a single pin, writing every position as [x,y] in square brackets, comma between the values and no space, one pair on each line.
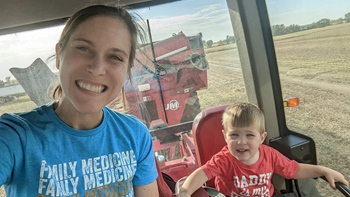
[340,186]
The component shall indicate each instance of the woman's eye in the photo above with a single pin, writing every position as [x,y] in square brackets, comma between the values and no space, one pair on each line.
[84,49]
[115,57]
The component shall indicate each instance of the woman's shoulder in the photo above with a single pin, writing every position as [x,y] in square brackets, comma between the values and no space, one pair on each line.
[128,124]
[122,118]
[120,115]
[23,117]
[14,127]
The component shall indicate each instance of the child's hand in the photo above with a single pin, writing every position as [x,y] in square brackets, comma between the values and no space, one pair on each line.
[333,176]
[183,193]
[191,184]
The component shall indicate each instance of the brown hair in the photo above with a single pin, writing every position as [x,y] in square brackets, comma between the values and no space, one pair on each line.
[101,10]
[243,115]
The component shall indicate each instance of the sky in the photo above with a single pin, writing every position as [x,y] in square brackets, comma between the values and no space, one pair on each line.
[210,17]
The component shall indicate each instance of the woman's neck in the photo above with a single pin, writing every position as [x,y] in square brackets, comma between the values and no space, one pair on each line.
[75,119]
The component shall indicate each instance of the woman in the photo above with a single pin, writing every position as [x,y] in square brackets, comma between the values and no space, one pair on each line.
[76,146]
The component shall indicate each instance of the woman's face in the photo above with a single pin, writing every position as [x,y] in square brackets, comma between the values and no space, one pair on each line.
[94,64]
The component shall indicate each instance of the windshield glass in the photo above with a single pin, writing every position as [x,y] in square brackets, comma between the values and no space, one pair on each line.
[195,66]
[312,42]
[20,50]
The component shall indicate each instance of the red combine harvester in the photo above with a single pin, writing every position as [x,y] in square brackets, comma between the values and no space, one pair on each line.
[163,93]
[167,85]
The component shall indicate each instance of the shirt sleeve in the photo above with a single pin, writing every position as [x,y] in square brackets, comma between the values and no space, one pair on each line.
[146,171]
[284,166]
[11,151]
[215,166]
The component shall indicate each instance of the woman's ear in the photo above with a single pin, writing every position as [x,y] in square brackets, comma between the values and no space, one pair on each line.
[58,50]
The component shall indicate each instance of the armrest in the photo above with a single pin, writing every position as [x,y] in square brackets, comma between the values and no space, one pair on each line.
[199,193]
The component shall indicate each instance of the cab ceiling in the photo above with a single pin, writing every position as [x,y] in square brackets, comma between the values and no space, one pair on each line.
[22,15]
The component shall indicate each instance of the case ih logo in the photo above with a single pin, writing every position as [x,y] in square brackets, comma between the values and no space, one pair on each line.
[173,105]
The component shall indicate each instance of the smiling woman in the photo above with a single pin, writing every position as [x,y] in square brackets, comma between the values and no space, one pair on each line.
[75,145]
[95,56]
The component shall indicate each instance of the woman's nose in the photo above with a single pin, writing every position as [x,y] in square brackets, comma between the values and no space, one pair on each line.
[97,66]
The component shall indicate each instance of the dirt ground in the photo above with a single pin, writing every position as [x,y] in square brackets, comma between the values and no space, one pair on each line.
[313,66]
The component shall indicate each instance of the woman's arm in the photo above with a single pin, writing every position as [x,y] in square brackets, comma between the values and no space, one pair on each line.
[146,190]
[11,149]
[307,171]
[193,182]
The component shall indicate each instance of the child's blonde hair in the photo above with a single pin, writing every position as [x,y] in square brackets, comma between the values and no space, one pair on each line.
[243,115]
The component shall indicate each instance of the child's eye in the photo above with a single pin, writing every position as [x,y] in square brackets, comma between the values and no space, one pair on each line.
[250,135]
[234,134]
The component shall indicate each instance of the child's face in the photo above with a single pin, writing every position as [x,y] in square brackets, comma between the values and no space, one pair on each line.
[243,143]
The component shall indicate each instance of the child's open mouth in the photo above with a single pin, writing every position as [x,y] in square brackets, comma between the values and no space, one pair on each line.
[242,151]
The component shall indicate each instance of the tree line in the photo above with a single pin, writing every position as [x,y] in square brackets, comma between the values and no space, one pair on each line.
[281,29]
[228,40]
[8,81]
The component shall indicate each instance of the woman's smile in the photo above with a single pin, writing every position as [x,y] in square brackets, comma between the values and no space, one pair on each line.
[91,87]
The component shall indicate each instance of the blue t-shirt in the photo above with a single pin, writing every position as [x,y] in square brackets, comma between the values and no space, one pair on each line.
[42,156]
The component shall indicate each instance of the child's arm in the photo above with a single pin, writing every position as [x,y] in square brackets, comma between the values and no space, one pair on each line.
[193,182]
[307,171]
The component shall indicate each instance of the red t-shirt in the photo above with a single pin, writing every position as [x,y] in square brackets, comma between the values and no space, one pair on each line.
[236,179]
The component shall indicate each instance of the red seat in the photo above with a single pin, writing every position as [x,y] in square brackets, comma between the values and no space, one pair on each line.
[208,139]
[165,191]
[207,134]
[163,188]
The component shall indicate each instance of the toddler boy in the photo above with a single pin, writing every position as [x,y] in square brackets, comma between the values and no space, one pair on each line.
[245,166]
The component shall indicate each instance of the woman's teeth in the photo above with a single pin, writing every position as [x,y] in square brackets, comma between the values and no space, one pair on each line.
[90,87]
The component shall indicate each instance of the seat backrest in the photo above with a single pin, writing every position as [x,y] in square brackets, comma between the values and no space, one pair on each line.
[207,134]
[163,188]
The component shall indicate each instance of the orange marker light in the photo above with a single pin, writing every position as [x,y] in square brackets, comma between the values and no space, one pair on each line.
[291,102]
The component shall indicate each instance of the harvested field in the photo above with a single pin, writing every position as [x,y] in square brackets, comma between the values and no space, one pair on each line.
[313,66]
